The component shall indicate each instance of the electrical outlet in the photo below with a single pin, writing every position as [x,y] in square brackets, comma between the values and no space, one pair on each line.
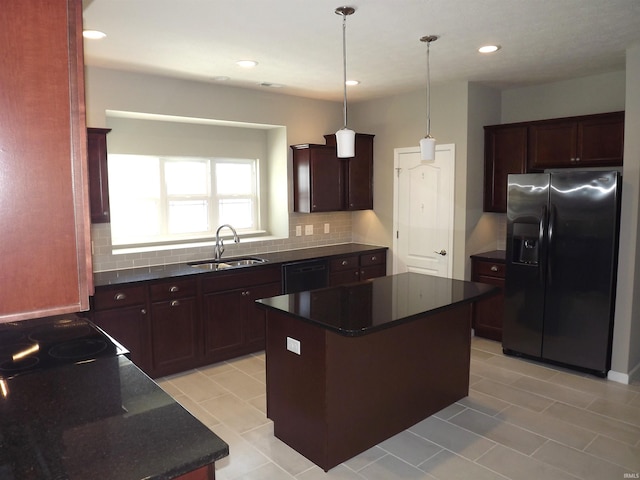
[326,228]
[308,229]
[298,230]
[293,345]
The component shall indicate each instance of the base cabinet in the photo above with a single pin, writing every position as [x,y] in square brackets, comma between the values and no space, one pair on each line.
[232,324]
[174,326]
[123,312]
[488,313]
[357,268]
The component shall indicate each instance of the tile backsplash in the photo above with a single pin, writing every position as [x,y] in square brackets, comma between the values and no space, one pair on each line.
[339,223]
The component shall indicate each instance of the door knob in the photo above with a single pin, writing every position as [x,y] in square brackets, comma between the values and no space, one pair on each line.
[442,252]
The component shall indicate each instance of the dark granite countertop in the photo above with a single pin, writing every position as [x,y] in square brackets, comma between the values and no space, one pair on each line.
[493,255]
[101,419]
[362,308]
[142,274]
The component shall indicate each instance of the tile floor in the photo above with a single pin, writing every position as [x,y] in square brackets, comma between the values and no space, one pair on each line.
[521,420]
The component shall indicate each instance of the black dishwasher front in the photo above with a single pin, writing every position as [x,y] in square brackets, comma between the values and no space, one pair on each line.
[304,275]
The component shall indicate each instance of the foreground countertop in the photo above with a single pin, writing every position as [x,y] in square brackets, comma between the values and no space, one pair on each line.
[362,308]
[101,419]
[142,274]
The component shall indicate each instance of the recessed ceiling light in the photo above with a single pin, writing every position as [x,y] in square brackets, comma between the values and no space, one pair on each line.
[93,34]
[489,48]
[352,82]
[247,63]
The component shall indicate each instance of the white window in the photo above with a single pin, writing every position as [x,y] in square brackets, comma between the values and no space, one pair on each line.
[164,199]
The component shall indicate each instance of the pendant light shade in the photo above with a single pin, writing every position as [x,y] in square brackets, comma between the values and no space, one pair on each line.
[345,137]
[428,143]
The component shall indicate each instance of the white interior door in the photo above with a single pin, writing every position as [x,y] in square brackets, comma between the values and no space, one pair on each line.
[423,211]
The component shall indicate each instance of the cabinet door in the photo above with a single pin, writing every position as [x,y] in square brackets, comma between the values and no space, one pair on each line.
[505,153]
[553,144]
[98,175]
[489,312]
[601,140]
[318,179]
[344,270]
[129,326]
[224,320]
[255,327]
[359,175]
[44,212]
[174,335]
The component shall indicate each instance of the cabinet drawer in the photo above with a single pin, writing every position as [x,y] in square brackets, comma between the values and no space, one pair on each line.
[344,263]
[174,289]
[116,297]
[375,258]
[219,281]
[488,268]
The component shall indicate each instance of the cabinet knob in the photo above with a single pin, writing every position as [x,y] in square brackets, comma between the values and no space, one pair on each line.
[174,289]
[175,303]
[344,262]
[373,258]
[577,159]
[119,297]
[246,293]
[143,311]
[494,268]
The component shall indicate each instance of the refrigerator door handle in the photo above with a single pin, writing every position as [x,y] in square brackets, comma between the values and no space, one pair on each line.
[550,226]
[542,225]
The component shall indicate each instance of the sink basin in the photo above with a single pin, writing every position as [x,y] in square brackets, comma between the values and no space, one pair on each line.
[226,264]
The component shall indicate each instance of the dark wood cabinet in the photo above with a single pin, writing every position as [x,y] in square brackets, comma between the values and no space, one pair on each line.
[356,268]
[98,175]
[318,179]
[505,153]
[322,182]
[358,173]
[174,326]
[123,312]
[488,313]
[589,141]
[44,209]
[232,322]
[573,142]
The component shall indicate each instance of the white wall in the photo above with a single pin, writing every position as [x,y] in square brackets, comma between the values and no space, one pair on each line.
[626,334]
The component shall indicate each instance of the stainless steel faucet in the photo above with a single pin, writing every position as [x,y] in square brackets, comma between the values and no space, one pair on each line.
[218,250]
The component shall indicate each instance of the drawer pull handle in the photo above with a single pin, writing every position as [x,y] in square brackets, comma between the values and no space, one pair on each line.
[175,288]
[494,268]
[175,303]
[119,297]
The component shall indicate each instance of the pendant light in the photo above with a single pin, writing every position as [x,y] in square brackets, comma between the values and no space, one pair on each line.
[345,138]
[428,143]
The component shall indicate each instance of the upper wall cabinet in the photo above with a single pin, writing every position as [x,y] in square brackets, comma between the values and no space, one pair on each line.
[575,142]
[44,213]
[590,141]
[98,175]
[505,152]
[322,182]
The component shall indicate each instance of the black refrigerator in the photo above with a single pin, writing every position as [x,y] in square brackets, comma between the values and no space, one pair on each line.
[561,265]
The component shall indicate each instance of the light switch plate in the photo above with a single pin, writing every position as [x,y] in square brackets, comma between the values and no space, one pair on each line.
[298,230]
[293,345]
[308,229]
[326,228]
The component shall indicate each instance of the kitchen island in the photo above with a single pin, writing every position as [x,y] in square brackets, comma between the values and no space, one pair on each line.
[352,365]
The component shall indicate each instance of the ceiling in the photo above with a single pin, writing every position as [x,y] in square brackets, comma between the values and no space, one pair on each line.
[298,43]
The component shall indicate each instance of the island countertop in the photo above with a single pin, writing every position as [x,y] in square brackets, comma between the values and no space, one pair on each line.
[362,308]
[100,419]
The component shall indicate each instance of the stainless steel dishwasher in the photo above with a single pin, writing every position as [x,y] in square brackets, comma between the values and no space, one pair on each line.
[304,275]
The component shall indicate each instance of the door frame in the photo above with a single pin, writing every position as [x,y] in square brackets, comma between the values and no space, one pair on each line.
[448,147]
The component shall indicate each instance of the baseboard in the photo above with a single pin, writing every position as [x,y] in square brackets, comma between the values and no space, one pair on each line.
[625,378]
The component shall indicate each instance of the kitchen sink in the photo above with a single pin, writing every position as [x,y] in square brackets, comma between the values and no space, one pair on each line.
[226,264]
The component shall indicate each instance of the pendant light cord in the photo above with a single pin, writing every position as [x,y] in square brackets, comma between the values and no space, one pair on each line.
[344,67]
[428,93]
